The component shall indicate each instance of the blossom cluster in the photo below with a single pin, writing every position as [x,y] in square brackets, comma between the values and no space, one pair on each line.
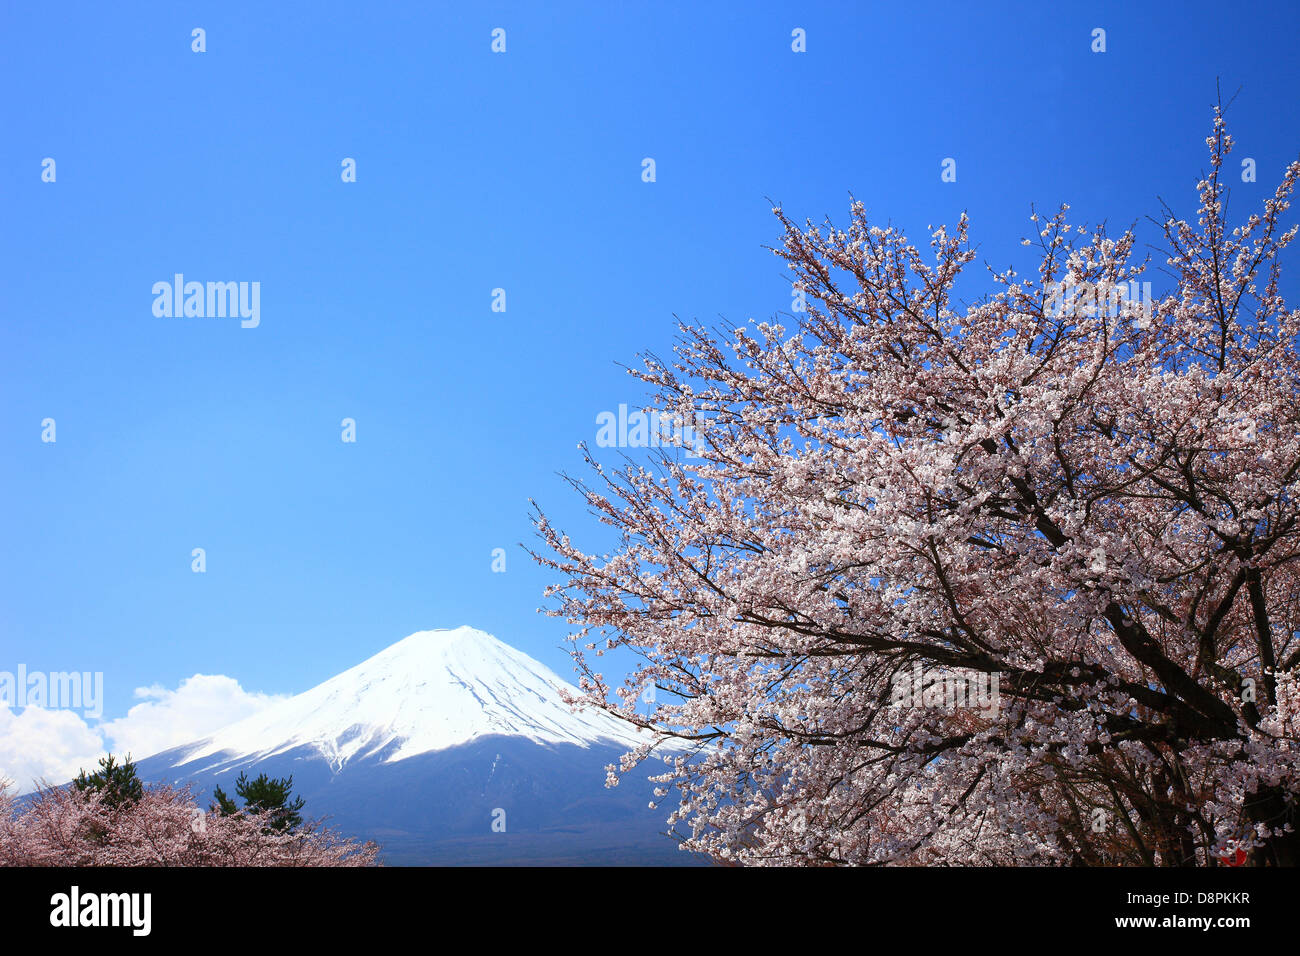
[1097,506]
[165,827]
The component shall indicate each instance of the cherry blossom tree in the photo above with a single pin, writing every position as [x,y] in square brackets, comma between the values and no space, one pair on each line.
[165,827]
[1086,501]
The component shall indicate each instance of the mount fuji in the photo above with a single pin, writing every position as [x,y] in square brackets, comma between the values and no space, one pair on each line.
[449,747]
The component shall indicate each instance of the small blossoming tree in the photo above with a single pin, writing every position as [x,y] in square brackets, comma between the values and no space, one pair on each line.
[164,826]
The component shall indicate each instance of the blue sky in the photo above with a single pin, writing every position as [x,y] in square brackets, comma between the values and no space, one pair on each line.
[475,171]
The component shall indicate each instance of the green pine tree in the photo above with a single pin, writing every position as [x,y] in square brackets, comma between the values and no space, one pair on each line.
[266,796]
[117,783]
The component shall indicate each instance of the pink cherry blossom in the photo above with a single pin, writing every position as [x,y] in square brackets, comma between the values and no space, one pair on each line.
[62,827]
[1097,507]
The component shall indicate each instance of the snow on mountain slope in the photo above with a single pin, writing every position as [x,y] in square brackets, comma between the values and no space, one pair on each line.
[430,691]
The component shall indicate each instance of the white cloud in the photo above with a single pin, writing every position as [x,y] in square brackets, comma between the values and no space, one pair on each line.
[54,745]
[50,745]
[201,704]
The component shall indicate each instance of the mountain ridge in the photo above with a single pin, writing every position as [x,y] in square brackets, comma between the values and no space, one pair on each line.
[448,747]
[431,690]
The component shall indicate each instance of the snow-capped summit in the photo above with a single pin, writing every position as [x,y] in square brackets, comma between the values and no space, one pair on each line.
[431,746]
[427,692]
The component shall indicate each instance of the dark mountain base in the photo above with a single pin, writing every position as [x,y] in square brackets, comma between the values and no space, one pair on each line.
[449,807]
